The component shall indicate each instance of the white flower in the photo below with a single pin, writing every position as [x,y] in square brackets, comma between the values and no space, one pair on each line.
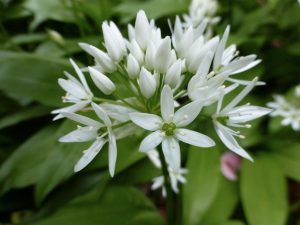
[133,67]
[154,158]
[102,81]
[113,40]
[201,10]
[173,74]
[142,29]
[169,130]
[101,58]
[78,92]
[176,177]
[236,116]
[147,83]
[100,132]
[288,109]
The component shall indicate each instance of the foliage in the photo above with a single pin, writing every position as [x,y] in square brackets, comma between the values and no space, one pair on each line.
[37,183]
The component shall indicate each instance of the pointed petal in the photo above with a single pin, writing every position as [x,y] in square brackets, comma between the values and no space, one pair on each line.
[102,81]
[81,134]
[241,95]
[112,154]
[171,150]
[187,114]
[151,141]
[102,114]
[194,138]
[81,76]
[147,121]
[167,103]
[82,119]
[89,154]
[230,142]
[69,109]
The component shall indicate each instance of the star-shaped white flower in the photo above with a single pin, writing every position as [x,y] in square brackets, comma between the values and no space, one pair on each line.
[93,130]
[78,92]
[168,129]
[236,116]
[176,177]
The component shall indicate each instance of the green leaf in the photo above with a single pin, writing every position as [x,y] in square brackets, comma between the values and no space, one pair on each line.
[32,76]
[118,206]
[263,192]
[224,203]
[44,10]
[22,115]
[287,154]
[202,184]
[41,160]
[153,8]
[233,222]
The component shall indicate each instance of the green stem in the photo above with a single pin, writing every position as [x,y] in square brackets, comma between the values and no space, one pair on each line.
[167,183]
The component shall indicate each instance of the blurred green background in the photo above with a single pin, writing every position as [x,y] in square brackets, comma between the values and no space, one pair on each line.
[37,183]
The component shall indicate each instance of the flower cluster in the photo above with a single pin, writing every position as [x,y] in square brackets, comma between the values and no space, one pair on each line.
[288,108]
[160,85]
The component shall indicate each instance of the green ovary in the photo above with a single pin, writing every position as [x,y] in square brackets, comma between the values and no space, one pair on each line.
[169,128]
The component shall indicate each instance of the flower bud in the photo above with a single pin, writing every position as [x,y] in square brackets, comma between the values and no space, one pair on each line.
[136,51]
[173,74]
[133,67]
[147,83]
[100,57]
[230,165]
[113,40]
[102,81]
[162,55]
[150,56]
[142,29]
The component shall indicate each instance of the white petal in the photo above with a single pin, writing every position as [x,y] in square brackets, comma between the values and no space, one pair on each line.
[81,134]
[133,67]
[81,77]
[70,109]
[151,141]
[194,138]
[241,95]
[205,64]
[162,55]
[171,150]
[102,114]
[102,81]
[136,51]
[117,112]
[142,29]
[103,59]
[187,114]
[81,119]
[172,77]
[89,154]
[230,142]
[167,103]
[112,154]
[147,121]
[147,83]
[73,88]
[220,49]
[247,113]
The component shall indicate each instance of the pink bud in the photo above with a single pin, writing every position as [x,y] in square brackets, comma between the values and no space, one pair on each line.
[230,165]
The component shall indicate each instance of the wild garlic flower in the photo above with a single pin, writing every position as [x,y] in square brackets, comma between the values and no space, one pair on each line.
[176,177]
[288,108]
[78,92]
[201,10]
[236,116]
[169,129]
[138,81]
[100,132]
